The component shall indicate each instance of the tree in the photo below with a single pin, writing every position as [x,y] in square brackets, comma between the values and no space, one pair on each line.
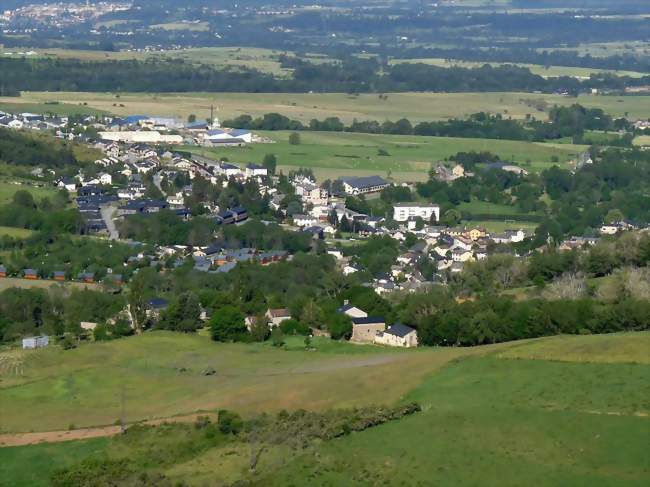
[270,162]
[24,198]
[227,324]
[339,326]
[259,329]
[183,314]
[277,337]
[294,138]
[137,306]
[191,118]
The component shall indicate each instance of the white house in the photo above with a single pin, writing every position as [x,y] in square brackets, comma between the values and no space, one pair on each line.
[364,184]
[36,342]
[398,335]
[403,211]
[304,220]
[276,316]
[255,170]
[352,311]
[105,178]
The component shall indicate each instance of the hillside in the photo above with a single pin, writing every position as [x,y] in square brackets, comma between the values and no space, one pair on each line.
[554,411]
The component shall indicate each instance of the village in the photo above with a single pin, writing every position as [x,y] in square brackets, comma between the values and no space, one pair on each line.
[139,152]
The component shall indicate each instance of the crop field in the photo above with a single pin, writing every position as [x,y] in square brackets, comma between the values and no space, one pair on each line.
[332,154]
[554,411]
[305,106]
[545,71]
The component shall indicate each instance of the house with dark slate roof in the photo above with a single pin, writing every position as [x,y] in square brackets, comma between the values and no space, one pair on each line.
[398,335]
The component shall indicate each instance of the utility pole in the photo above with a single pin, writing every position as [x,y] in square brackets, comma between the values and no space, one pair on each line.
[123,411]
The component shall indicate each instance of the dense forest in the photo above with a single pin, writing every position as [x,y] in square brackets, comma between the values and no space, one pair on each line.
[348,76]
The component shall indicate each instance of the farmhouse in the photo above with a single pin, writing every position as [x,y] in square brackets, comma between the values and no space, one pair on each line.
[403,211]
[398,335]
[362,185]
[365,329]
[352,311]
[32,343]
[276,316]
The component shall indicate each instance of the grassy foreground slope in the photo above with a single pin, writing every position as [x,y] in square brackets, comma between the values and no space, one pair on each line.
[486,420]
[494,421]
[162,376]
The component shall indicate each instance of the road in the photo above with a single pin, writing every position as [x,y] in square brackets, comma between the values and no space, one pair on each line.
[107,215]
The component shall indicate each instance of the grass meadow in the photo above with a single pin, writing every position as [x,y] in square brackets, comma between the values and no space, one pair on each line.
[305,106]
[554,411]
[161,376]
[332,154]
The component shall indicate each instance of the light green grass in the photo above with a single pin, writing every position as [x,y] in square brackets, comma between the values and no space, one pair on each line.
[8,189]
[83,386]
[61,109]
[487,208]
[617,348]
[545,71]
[15,282]
[494,422]
[410,157]
[15,232]
[31,466]
[305,106]
[498,226]
[642,140]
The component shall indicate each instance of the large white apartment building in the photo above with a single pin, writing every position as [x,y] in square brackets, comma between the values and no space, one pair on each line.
[403,211]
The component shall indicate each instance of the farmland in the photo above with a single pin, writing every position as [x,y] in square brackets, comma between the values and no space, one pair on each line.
[507,415]
[305,106]
[332,154]
[9,187]
[545,71]
[164,378]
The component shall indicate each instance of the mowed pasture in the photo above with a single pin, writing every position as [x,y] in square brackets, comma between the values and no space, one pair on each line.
[306,106]
[161,376]
[8,189]
[497,421]
[487,419]
[333,154]
[544,71]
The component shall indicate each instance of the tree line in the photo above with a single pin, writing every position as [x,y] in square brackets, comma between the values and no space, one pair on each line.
[348,76]
[571,121]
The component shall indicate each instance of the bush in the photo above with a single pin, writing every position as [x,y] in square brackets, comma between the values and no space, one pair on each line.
[294,327]
[229,422]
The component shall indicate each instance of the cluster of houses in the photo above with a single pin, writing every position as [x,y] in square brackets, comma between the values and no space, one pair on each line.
[62,276]
[373,329]
[32,121]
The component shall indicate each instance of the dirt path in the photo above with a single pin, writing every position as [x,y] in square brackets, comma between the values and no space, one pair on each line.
[23,439]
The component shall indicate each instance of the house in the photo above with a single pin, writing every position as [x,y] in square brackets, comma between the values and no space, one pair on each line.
[404,211]
[366,328]
[304,220]
[352,311]
[88,325]
[32,343]
[155,307]
[461,255]
[106,179]
[3,271]
[398,335]
[364,184]
[316,232]
[68,184]
[255,170]
[87,277]
[59,276]
[30,274]
[276,316]
[350,269]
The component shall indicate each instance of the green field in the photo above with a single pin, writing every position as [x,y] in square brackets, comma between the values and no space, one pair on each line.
[305,106]
[545,71]
[554,411]
[332,154]
[15,232]
[83,386]
[8,189]
[643,140]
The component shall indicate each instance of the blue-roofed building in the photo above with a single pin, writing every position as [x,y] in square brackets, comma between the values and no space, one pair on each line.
[365,184]
[398,335]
